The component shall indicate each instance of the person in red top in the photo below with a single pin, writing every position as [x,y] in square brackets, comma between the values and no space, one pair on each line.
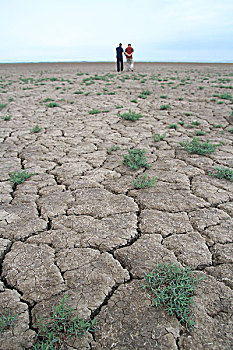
[128,53]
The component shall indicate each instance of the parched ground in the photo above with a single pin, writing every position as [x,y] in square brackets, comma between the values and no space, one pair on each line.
[80,228]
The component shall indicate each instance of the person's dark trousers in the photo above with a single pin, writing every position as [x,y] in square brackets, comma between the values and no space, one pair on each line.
[119,65]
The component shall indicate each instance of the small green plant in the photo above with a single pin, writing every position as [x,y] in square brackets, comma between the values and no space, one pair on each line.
[172,287]
[7,117]
[173,126]
[143,182]
[217,126]
[196,122]
[94,111]
[78,92]
[6,322]
[135,159]
[48,99]
[53,104]
[226,96]
[3,105]
[158,137]
[113,148]
[131,115]
[181,123]
[36,129]
[163,107]
[195,146]
[144,93]
[180,99]
[142,96]
[118,106]
[134,101]
[188,114]
[54,332]
[199,133]
[20,177]
[163,96]
[231,131]
[222,173]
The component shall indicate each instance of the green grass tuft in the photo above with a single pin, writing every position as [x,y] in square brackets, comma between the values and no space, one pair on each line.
[195,146]
[158,137]
[20,177]
[94,111]
[3,105]
[131,115]
[54,332]
[223,173]
[36,129]
[53,104]
[172,287]
[199,133]
[173,126]
[7,117]
[113,148]
[143,182]
[163,107]
[6,322]
[135,159]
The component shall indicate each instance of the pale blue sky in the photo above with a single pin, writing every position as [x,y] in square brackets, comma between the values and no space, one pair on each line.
[90,30]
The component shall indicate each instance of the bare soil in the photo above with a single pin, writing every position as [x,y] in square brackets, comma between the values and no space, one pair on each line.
[80,228]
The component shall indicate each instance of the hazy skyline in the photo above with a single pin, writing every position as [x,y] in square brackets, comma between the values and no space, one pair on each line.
[74,30]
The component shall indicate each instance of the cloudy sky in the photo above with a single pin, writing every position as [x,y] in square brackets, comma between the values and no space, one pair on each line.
[90,30]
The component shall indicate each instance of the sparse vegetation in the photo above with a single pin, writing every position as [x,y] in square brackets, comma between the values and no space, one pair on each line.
[202,148]
[3,105]
[172,287]
[223,173]
[144,93]
[6,321]
[78,92]
[113,148]
[20,176]
[196,122]
[7,117]
[158,137]
[163,107]
[53,104]
[54,332]
[135,159]
[143,182]
[94,111]
[173,126]
[199,133]
[131,115]
[36,129]
[48,99]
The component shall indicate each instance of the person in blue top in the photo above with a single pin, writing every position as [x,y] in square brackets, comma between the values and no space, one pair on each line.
[119,56]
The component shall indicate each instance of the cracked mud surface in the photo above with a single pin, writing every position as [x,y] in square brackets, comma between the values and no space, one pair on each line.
[79,227]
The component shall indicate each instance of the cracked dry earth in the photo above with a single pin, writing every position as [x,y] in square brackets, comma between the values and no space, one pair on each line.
[80,228]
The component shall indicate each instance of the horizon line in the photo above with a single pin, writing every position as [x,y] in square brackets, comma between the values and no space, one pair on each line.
[149,61]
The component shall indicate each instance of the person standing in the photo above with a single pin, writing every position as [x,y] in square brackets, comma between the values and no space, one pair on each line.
[129,54]
[119,56]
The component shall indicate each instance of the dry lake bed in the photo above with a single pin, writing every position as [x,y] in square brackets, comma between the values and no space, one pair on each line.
[80,227]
